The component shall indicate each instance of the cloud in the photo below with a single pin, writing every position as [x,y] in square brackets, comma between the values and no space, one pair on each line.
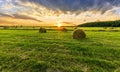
[2,14]
[51,11]
[57,6]
[77,5]
[24,17]
[5,21]
[19,16]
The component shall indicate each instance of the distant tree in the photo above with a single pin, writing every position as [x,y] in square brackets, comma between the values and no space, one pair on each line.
[33,27]
[21,26]
[6,27]
[16,27]
[102,24]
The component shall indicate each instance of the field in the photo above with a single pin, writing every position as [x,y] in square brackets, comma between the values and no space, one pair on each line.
[55,51]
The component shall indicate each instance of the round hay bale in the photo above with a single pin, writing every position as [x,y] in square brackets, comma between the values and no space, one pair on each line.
[75,28]
[42,30]
[64,29]
[79,34]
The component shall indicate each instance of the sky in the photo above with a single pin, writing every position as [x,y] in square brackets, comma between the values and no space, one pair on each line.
[53,12]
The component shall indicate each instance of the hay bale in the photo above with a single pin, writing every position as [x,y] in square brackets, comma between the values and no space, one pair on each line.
[75,28]
[79,34]
[64,29]
[42,30]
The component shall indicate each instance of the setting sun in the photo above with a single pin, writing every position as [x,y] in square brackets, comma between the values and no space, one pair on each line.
[59,24]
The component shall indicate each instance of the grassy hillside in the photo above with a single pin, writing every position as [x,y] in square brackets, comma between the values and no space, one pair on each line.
[30,51]
[102,24]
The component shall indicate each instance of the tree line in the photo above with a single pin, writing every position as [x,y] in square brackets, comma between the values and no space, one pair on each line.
[102,24]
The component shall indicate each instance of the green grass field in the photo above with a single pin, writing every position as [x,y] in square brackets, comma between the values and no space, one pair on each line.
[55,51]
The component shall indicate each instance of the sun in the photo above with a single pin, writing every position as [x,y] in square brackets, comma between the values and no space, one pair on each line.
[59,24]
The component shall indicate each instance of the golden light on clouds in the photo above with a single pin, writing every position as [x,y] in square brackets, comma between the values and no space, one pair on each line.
[48,13]
[8,21]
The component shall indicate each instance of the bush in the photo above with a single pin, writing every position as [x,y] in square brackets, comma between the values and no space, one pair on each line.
[42,30]
[79,34]
[6,27]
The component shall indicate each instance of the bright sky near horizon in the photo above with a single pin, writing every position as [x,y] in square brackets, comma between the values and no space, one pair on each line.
[50,12]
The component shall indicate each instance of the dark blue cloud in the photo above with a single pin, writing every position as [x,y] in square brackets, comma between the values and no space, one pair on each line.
[77,5]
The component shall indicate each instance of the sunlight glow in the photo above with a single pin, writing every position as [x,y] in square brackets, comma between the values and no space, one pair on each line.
[59,24]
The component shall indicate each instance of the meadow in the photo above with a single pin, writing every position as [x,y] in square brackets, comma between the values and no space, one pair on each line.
[55,51]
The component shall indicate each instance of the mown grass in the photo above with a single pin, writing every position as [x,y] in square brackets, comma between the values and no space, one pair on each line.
[54,51]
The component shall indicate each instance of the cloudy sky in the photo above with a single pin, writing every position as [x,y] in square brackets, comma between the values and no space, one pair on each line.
[51,12]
